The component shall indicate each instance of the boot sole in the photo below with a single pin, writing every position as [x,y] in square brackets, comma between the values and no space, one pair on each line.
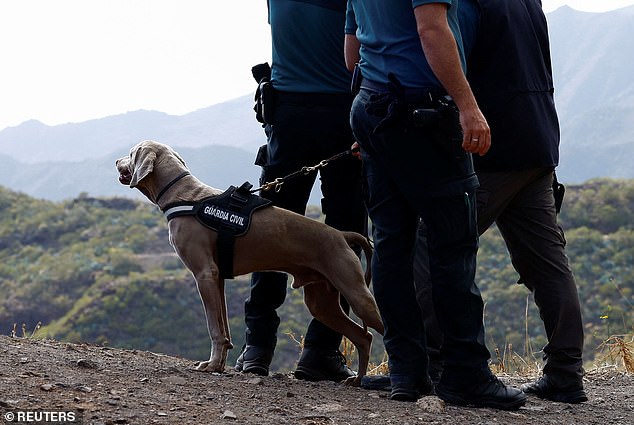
[255,369]
[573,397]
[306,374]
[460,400]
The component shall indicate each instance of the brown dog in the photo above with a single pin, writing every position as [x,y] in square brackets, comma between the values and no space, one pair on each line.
[317,256]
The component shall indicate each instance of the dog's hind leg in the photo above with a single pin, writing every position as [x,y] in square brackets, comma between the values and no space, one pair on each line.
[348,279]
[322,300]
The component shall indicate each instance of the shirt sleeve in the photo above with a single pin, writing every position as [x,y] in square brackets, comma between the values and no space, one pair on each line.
[416,3]
[351,21]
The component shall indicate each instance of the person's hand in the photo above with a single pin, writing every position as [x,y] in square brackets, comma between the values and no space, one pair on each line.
[355,150]
[476,132]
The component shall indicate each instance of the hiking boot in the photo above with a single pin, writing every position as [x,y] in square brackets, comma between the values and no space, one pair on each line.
[404,393]
[488,392]
[317,364]
[401,392]
[544,388]
[254,359]
[376,383]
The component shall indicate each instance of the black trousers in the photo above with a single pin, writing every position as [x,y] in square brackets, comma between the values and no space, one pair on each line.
[522,205]
[414,172]
[306,129]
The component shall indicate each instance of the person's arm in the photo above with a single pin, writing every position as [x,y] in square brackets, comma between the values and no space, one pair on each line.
[351,43]
[441,51]
[351,48]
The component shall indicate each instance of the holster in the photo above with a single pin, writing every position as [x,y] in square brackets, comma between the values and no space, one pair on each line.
[262,157]
[558,192]
[357,78]
[263,94]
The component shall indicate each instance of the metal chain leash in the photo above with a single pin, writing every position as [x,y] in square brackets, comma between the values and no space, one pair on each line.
[278,182]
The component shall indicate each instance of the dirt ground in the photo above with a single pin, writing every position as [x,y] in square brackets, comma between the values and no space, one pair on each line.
[102,385]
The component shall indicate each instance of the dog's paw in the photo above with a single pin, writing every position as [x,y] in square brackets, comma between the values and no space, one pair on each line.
[209,366]
[353,381]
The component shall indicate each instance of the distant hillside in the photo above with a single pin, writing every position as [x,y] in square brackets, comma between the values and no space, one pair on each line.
[102,270]
[230,123]
[594,92]
[218,166]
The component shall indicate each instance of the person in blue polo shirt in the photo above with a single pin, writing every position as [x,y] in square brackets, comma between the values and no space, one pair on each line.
[418,123]
[309,122]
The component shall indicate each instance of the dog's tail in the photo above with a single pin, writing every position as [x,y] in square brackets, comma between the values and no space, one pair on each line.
[354,238]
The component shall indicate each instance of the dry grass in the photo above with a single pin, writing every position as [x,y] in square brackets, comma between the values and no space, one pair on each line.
[14,332]
[618,350]
[509,361]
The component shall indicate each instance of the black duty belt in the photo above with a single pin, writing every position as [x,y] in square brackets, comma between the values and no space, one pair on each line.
[428,95]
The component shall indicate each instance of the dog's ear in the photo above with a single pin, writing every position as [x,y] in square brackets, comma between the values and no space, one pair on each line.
[143,160]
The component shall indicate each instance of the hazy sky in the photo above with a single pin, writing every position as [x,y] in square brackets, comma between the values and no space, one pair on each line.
[74,60]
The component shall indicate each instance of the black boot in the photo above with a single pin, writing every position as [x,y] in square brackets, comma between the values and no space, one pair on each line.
[544,388]
[254,359]
[316,364]
[401,391]
[482,390]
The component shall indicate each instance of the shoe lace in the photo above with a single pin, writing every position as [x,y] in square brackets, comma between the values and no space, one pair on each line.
[493,380]
[338,355]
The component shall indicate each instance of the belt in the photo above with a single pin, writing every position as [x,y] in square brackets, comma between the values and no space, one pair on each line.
[411,94]
[331,99]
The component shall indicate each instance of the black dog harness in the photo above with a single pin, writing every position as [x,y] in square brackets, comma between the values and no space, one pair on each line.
[228,213]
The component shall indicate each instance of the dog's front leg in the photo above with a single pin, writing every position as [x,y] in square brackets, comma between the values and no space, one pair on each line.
[211,290]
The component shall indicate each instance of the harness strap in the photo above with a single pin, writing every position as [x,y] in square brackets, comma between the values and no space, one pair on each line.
[226,239]
[229,214]
[225,247]
[179,210]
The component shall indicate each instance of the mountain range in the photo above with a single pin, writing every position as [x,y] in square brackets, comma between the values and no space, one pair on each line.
[594,92]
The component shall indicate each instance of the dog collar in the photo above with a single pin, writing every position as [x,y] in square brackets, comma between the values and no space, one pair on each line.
[170,184]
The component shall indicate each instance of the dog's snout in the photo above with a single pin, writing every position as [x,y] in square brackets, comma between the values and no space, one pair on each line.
[125,176]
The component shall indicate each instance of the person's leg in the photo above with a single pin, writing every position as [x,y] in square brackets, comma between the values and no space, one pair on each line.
[268,289]
[283,156]
[537,247]
[435,179]
[433,334]
[422,172]
[422,281]
[495,192]
[343,207]
[394,225]
[453,240]
[394,228]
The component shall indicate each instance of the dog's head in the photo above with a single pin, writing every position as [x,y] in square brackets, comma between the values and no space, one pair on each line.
[138,170]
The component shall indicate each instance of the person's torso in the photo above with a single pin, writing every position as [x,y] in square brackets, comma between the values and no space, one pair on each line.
[390,42]
[509,71]
[307,38]
[512,50]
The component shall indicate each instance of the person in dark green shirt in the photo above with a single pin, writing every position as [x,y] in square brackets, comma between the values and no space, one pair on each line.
[309,123]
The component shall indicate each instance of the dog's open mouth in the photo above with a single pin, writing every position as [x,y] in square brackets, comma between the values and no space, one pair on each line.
[125,177]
